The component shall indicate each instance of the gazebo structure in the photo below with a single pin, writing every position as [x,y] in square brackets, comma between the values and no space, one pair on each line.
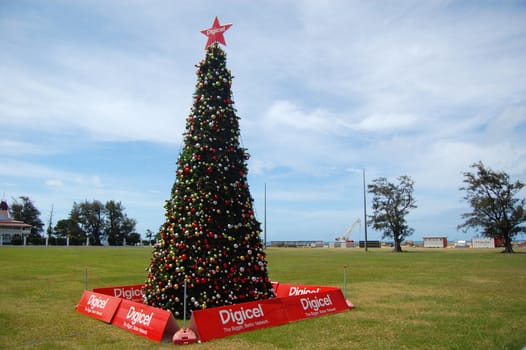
[10,227]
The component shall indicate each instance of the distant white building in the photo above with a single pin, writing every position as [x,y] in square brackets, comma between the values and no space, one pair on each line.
[435,242]
[10,227]
[482,242]
[461,244]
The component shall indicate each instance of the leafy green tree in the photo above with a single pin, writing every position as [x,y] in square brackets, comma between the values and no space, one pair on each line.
[494,206]
[99,222]
[133,238]
[70,228]
[391,204]
[27,212]
[117,225]
[91,220]
[149,236]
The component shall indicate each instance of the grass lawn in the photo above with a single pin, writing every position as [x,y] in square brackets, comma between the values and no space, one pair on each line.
[420,299]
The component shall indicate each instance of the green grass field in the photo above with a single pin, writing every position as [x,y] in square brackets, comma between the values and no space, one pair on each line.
[420,299]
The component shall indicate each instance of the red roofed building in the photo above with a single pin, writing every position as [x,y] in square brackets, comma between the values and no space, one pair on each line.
[10,227]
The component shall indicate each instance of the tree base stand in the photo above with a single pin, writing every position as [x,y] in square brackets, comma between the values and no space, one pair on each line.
[184,336]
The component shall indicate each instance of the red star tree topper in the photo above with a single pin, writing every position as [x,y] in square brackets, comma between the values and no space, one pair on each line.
[215,33]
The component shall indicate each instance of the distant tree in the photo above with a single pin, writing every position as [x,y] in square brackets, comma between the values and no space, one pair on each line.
[91,219]
[77,230]
[391,203]
[70,228]
[149,236]
[117,224]
[99,222]
[28,213]
[494,206]
[133,238]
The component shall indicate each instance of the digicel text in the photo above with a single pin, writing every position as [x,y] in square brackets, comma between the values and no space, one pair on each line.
[139,317]
[298,291]
[96,302]
[240,316]
[315,303]
[215,30]
[127,293]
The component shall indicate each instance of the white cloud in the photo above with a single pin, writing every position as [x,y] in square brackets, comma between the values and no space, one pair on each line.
[104,105]
[392,122]
[283,114]
[417,88]
[54,183]
[15,148]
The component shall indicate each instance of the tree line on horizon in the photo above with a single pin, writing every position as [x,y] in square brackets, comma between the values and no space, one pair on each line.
[88,221]
[495,210]
[492,196]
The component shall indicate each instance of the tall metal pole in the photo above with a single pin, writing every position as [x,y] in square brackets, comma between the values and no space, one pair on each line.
[345,281]
[265,218]
[364,211]
[184,305]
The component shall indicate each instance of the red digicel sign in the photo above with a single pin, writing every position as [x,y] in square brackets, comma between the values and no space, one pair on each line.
[288,290]
[99,306]
[224,321]
[133,292]
[146,321]
[293,303]
[314,304]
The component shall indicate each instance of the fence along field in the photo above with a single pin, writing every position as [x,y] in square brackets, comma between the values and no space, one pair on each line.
[439,299]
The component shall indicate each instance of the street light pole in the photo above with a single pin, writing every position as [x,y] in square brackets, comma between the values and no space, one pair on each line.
[364,211]
[265,218]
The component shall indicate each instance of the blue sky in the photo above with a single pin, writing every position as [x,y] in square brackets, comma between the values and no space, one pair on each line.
[94,97]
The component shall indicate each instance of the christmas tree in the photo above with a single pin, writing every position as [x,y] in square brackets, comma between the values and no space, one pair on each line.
[210,237]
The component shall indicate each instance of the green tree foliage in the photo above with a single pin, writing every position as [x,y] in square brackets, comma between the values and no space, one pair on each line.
[133,238]
[149,236]
[26,211]
[118,226]
[391,204]
[210,237]
[69,228]
[100,222]
[494,206]
[91,219]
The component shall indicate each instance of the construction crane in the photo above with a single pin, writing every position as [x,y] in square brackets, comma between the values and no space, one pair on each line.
[347,233]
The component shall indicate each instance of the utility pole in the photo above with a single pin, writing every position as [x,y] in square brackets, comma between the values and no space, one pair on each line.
[364,211]
[265,218]
[50,223]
